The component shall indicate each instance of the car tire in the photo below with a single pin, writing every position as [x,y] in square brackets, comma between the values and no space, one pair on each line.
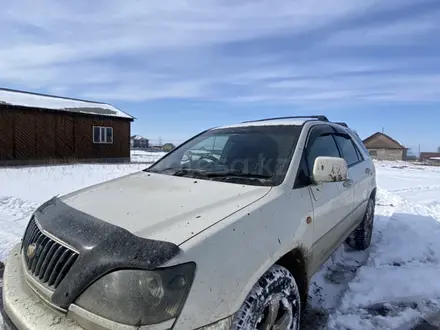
[360,238]
[273,303]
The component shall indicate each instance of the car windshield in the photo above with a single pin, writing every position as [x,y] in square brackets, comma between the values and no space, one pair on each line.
[256,155]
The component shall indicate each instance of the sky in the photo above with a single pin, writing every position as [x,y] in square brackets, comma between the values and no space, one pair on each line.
[181,66]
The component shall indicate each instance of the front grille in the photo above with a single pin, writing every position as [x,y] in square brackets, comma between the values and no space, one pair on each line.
[47,260]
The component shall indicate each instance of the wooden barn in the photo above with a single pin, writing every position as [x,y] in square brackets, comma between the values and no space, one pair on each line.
[45,129]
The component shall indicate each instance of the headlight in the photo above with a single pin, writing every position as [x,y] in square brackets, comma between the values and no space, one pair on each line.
[139,297]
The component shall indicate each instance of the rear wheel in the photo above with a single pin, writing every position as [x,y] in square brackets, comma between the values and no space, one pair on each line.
[360,238]
[274,303]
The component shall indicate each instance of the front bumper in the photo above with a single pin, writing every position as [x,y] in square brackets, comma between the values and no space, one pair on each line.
[23,310]
[7,323]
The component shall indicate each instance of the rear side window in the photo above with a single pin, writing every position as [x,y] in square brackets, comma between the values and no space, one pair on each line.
[323,145]
[361,158]
[359,141]
[348,149]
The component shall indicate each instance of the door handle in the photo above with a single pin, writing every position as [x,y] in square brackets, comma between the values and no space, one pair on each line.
[348,183]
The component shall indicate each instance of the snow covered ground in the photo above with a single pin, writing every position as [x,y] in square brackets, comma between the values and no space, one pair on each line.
[140,156]
[393,285]
[23,189]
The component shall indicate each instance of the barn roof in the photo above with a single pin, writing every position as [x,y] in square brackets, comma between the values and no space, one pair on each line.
[382,141]
[42,101]
[429,155]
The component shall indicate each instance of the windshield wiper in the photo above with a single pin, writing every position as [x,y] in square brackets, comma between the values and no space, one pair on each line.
[220,174]
[216,174]
[190,171]
[237,174]
[176,171]
[161,170]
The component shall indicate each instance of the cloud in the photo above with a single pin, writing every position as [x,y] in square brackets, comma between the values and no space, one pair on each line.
[281,51]
[404,32]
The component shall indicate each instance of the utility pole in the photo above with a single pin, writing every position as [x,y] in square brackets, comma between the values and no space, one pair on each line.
[382,130]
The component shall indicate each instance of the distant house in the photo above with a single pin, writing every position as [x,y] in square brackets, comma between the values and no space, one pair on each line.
[156,148]
[430,157]
[41,129]
[139,142]
[383,147]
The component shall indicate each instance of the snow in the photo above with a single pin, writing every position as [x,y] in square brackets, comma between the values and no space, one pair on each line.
[147,157]
[392,285]
[23,99]
[269,122]
[23,189]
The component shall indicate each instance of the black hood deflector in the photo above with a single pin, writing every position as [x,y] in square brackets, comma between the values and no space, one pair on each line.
[102,248]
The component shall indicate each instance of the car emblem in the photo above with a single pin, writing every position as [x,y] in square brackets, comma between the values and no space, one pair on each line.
[30,252]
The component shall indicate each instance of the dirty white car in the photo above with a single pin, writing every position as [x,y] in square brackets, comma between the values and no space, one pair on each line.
[224,232]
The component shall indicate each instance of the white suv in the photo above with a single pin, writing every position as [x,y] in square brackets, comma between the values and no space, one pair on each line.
[224,232]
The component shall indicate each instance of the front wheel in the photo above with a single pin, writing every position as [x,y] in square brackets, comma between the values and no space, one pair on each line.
[274,303]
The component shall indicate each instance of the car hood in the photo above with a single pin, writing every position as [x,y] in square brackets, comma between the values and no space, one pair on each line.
[163,207]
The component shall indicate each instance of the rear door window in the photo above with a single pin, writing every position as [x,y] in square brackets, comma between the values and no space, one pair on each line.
[348,150]
[360,143]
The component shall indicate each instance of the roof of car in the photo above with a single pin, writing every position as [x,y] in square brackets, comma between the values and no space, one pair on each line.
[269,122]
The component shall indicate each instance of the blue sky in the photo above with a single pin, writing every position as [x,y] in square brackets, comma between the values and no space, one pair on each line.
[181,66]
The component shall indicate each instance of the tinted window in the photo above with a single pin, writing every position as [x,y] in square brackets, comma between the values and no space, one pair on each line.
[358,140]
[210,148]
[360,157]
[264,150]
[303,176]
[323,145]
[348,149]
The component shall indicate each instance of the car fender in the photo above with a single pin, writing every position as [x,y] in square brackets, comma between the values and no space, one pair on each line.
[232,255]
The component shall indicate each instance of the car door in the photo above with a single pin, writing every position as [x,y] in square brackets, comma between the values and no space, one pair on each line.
[359,172]
[332,202]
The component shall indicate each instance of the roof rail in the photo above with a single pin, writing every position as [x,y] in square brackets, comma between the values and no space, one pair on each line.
[318,117]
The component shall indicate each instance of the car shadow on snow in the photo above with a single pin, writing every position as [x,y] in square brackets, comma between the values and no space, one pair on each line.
[404,246]
[329,285]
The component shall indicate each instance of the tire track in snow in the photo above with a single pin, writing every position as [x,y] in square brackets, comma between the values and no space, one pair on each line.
[332,281]
[329,285]
[336,292]
[397,288]
[415,189]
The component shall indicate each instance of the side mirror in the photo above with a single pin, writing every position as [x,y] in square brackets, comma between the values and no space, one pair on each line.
[329,169]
